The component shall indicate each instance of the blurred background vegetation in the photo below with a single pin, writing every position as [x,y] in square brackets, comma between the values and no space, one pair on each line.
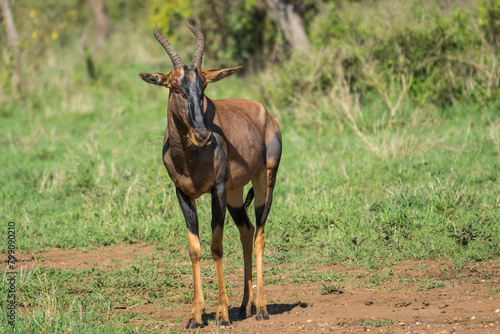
[437,52]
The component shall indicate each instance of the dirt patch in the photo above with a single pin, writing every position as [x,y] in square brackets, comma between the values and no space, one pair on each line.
[409,297]
[108,257]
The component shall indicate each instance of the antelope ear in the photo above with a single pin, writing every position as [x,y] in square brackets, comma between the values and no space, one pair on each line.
[156,79]
[216,75]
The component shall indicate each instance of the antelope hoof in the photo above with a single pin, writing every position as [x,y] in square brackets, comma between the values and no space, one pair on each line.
[193,324]
[262,316]
[222,322]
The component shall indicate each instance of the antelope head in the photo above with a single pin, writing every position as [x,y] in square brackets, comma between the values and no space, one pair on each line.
[187,87]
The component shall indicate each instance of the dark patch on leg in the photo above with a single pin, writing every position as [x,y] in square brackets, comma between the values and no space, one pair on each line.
[166,147]
[273,149]
[243,314]
[259,213]
[218,205]
[188,208]
[239,216]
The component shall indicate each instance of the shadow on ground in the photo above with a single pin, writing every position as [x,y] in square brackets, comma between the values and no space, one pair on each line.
[273,309]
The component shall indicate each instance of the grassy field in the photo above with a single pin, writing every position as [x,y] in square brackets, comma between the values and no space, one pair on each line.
[82,168]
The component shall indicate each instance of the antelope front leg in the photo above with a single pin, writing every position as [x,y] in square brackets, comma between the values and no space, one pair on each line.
[188,207]
[218,217]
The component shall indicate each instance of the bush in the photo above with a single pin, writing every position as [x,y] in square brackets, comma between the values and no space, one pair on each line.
[442,54]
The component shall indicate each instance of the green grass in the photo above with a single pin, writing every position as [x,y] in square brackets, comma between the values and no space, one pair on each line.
[328,289]
[92,175]
[378,322]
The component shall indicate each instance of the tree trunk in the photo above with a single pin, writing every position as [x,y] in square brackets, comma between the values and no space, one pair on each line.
[101,19]
[290,22]
[217,28]
[14,43]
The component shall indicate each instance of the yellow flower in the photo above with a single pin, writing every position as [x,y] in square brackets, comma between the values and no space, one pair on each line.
[32,13]
[54,35]
[73,14]
[34,34]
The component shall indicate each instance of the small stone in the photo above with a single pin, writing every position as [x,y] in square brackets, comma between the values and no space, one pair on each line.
[472,318]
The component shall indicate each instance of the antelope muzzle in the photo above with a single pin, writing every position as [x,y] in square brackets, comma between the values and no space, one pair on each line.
[200,137]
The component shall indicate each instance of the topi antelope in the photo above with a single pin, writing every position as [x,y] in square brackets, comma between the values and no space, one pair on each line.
[217,147]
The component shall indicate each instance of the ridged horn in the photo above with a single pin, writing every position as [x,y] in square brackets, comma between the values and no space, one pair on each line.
[200,45]
[174,56]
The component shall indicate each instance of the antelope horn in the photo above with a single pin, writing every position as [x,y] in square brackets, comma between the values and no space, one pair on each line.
[174,56]
[200,45]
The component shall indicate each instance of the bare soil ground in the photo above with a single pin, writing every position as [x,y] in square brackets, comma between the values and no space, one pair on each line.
[417,297]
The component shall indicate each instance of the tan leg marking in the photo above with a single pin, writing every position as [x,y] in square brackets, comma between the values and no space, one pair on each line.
[198,301]
[217,252]
[259,183]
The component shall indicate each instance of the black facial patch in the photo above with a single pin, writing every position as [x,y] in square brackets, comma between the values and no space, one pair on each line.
[193,88]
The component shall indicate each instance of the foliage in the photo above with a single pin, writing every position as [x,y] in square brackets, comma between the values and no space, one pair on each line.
[168,14]
[470,231]
[328,289]
[447,54]
[378,322]
[442,53]
[242,33]
[489,20]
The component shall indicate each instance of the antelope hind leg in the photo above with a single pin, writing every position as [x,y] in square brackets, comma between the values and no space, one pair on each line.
[263,184]
[246,229]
